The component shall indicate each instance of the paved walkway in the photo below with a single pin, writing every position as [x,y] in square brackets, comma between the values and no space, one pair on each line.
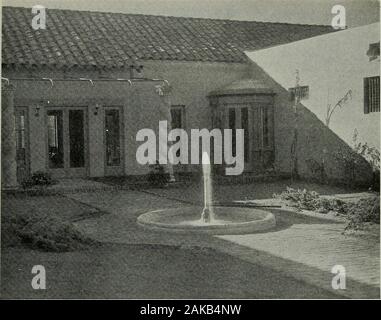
[304,247]
[321,246]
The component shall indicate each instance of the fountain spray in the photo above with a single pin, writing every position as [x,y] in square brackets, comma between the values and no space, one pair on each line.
[207,213]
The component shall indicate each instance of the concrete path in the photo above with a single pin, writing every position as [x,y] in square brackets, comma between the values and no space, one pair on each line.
[301,246]
[321,246]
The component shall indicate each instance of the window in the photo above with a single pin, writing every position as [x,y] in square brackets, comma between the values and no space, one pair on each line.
[177,115]
[374,51]
[20,131]
[302,92]
[112,128]
[265,127]
[245,127]
[372,94]
[178,120]
[238,118]
[232,126]
[55,139]
[76,138]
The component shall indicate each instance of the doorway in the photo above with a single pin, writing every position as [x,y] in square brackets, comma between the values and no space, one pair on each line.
[257,122]
[67,141]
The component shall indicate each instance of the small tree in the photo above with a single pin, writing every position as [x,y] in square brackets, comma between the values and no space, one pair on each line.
[331,108]
[294,144]
[370,154]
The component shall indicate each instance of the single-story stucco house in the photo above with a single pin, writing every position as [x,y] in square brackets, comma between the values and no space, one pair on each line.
[74,95]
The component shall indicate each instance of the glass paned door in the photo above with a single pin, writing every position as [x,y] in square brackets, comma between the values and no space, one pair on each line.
[55,139]
[113,141]
[67,143]
[239,117]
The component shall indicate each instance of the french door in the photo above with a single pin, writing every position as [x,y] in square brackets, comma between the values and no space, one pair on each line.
[240,117]
[257,122]
[67,141]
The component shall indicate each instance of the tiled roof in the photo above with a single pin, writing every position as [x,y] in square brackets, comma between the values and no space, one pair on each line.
[115,40]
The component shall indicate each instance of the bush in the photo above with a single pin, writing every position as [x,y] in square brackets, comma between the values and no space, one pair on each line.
[301,199]
[376,181]
[372,155]
[41,231]
[158,177]
[310,200]
[38,178]
[324,205]
[365,210]
[358,213]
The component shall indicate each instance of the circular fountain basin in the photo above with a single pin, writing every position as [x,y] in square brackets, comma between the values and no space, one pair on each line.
[227,220]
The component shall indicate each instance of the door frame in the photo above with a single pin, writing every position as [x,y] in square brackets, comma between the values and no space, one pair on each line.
[114,170]
[66,171]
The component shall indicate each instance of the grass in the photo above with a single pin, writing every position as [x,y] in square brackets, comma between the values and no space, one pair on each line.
[147,271]
[128,271]
[43,223]
[135,270]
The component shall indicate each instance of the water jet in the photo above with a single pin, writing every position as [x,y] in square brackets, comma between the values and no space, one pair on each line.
[208,219]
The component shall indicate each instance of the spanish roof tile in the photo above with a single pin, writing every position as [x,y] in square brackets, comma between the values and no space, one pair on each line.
[116,40]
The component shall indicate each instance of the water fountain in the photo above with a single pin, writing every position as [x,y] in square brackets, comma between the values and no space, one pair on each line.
[213,219]
[207,213]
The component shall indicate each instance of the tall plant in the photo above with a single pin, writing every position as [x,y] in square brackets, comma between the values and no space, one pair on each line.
[339,104]
[371,154]
[294,144]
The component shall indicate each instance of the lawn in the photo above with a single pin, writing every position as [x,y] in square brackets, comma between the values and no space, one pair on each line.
[43,222]
[112,270]
[66,208]
[131,262]
[144,271]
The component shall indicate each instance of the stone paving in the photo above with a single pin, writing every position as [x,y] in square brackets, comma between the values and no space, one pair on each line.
[321,246]
[302,246]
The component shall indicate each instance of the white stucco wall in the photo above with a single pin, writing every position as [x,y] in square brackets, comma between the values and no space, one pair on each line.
[191,82]
[330,65]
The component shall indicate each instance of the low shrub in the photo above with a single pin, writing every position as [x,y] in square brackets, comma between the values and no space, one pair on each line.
[357,213]
[41,231]
[363,211]
[324,205]
[300,199]
[157,176]
[38,178]
[310,200]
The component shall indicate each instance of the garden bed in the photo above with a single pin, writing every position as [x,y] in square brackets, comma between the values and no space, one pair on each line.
[359,214]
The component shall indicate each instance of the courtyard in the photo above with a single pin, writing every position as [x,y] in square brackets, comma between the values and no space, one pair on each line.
[293,260]
[107,112]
